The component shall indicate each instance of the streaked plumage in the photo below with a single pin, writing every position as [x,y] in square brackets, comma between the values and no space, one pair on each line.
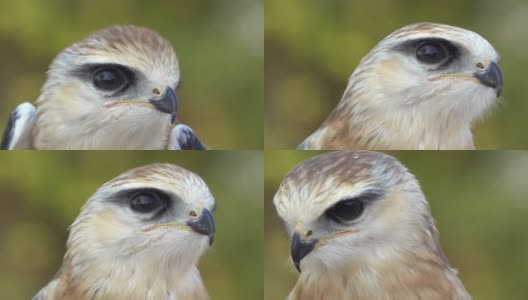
[138,237]
[398,98]
[113,90]
[362,229]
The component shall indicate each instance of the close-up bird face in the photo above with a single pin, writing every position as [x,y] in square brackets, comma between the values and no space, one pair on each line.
[156,217]
[425,67]
[350,207]
[103,85]
[158,207]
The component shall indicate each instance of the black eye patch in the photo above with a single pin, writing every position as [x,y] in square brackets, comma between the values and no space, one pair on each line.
[435,52]
[350,209]
[114,78]
[145,201]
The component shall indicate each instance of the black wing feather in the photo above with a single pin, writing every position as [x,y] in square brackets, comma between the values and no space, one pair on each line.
[9,130]
[189,141]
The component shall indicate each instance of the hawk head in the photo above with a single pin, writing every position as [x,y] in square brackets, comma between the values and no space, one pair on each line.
[351,210]
[114,89]
[429,67]
[421,87]
[141,233]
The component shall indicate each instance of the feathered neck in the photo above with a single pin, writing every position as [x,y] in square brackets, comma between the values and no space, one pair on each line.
[417,275]
[355,125]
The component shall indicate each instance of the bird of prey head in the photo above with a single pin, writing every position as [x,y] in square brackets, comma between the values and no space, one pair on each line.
[138,237]
[421,87]
[114,89]
[361,228]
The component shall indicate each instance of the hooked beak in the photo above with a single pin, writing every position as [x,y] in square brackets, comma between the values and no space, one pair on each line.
[204,224]
[300,248]
[167,103]
[491,77]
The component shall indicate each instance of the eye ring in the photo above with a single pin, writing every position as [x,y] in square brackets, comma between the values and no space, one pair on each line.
[432,52]
[146,202]
[346,211]
[110,79]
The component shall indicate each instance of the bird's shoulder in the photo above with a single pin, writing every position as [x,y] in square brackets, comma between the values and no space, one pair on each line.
[332,136]
[54,290]
[18,131]
[182,137]
[60,287]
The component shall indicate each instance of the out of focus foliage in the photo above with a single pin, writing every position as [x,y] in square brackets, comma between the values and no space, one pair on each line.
[43,192]
[477,198]
[313,46]
[219,45]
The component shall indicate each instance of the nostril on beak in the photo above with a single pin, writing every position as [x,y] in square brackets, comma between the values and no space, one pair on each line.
[204,224]
[491,77]
[167,102]
[300,248]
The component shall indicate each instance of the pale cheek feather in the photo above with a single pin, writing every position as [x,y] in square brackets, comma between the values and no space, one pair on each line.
[394,75]
[112,262]
[72,121]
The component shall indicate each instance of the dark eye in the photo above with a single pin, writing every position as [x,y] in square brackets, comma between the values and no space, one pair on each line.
[146,202]
[431,52]
[346,210]
[110,79]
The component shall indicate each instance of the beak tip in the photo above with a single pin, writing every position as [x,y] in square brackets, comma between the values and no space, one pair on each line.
[204,225]
[491,77]
[297,266]
[300,248]
[167,102]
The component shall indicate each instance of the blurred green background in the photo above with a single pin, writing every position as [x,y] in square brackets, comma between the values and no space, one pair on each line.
[42,194]
[219,45]
[313,46]
[478,199]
